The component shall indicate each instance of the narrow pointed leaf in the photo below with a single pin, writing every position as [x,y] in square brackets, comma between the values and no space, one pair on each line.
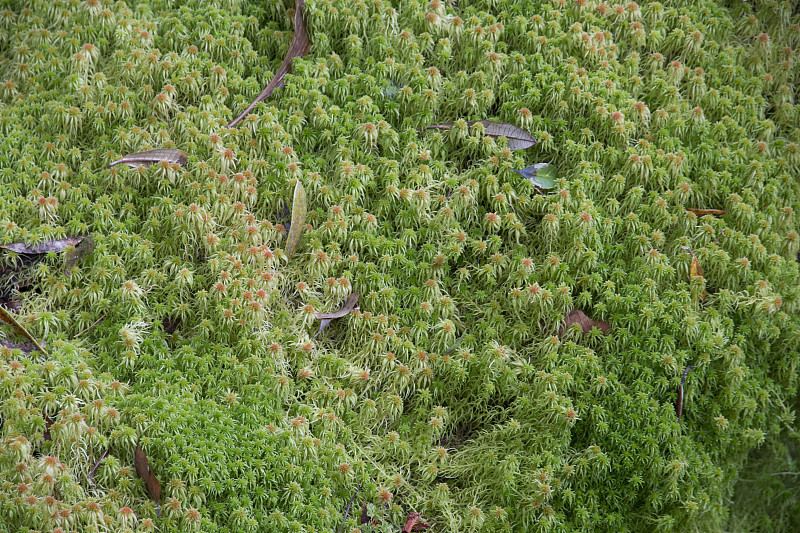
[326,318]
[365,517]
[151,157]
[694,267]
[348,307]
[91,473]
[56,245]
[578,317]
[48,423]
[7,317]
[518,139]
[347,511]
[299,208]
[299,47]
[679,403]
[540,174]
[142,466]
[704,212]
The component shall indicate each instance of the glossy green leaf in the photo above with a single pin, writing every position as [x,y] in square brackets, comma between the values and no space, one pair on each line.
[299,209]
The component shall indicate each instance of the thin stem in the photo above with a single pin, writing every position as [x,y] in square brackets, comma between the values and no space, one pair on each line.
[93,325]
[96,465]
[347,511]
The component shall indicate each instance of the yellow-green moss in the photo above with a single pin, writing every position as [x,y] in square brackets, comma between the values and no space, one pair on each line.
[450,392]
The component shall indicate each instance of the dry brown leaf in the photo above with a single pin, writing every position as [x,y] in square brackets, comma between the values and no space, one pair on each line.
[26,347]
[694,267]
[142,466]
[365,518]
[56,245]
[48,422]
[704,212]
[349,305]
[578,317]
[300,46]
[414,522]
[518,139]
[151,157]
[7,317]
[299,209]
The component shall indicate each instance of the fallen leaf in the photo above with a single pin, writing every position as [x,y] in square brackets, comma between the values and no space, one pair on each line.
[26,347]
[7,317]
[694,267]
[679,403]
[704,212]
[86,246]
[578,317]
[299,208]
[540,174]
[518,139]
[349,305]
[47,423]
[56,245]
[365,518]
[299,47]
[415,523]
[142,466]
[151,157]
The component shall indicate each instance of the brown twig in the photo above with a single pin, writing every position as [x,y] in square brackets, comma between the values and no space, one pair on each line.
[347,511]
[93,325]
[679,404]
[96,465]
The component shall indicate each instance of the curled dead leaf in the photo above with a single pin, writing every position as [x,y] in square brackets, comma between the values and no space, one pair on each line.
[414,522]
[694,267]
[25,347]
[142,466]
[151,157]
[704,212]
[518,139]
[47,423]
[299,47]
[349,305]
[55,245]
[578,317]
[365,518]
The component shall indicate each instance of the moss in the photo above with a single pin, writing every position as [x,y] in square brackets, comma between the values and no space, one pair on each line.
[451,391]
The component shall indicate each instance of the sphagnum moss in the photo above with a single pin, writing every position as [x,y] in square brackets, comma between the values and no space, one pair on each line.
[449,391]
